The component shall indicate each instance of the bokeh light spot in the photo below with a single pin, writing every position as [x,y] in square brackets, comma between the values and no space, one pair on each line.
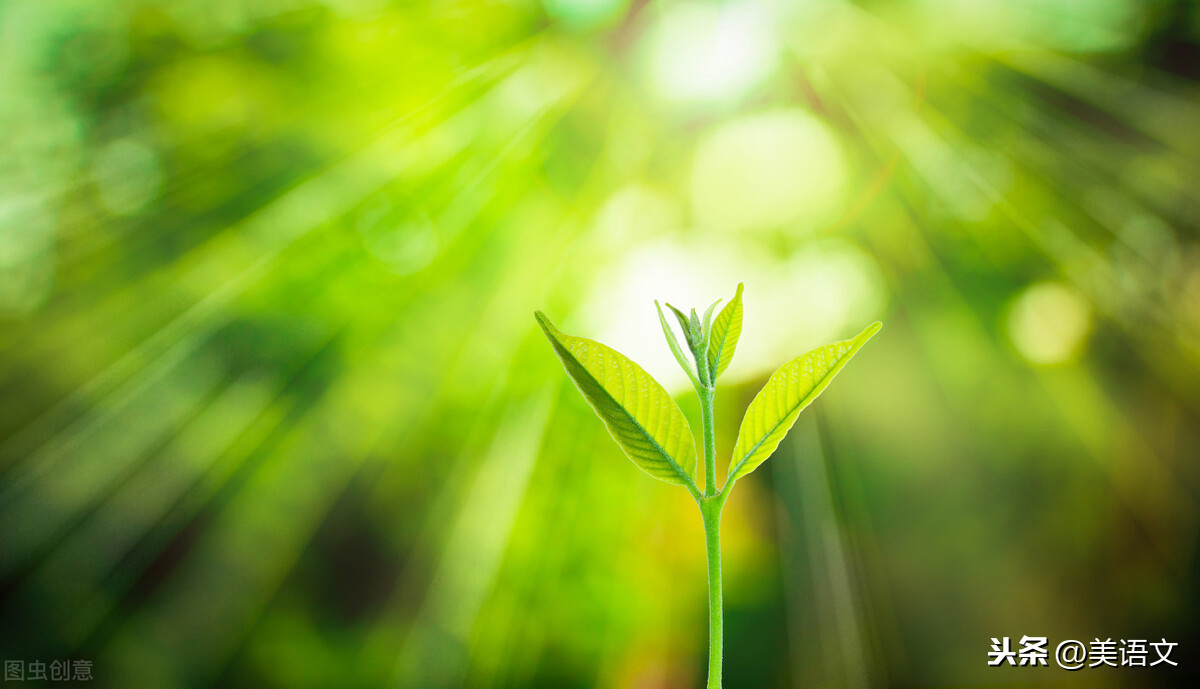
[635,213]
[826,290]
[586,14]
[709,53]
[768,170]
[1048,323]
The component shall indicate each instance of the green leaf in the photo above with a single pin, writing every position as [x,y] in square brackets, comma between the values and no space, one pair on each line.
[706,326]
[695,330]
[724,337]
[638,412]
[673,343]
[679,316]
[789,390]
[692,330]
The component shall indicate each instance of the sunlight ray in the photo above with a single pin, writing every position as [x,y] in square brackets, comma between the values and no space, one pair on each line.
[807,512]
[71,586]
[1173,510]
[255,539]
[434,654]
[1113,294]
[1159,113]
[239,257]
[227,539]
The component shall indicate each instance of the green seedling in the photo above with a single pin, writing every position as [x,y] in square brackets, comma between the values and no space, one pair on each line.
[654,434]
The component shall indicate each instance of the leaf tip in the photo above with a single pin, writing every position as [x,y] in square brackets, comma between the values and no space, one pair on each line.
[869,331]
[544,322]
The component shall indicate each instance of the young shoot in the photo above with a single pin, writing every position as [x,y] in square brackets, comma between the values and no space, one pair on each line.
[652,431]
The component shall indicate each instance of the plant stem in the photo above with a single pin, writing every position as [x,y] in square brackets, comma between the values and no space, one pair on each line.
[711,505]
[710,509]
[710,440]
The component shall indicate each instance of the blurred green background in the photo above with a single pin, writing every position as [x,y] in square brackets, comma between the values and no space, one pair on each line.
[274,411]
